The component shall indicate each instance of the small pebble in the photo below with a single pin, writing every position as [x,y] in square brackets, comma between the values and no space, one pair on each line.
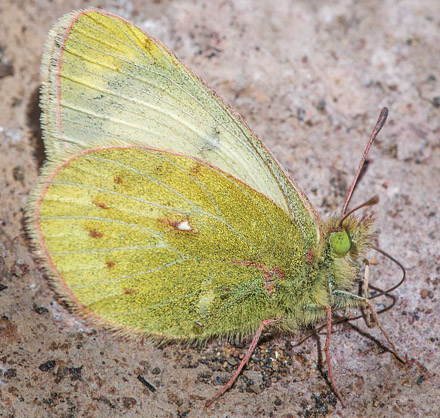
[44,367]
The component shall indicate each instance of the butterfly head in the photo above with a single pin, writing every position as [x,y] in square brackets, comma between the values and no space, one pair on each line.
[348,234]
[346,241]
[351,237]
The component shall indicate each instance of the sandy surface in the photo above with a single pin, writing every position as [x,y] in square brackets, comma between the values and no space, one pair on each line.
[310,79]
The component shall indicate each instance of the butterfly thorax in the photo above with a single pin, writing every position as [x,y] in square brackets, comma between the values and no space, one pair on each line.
[327,269]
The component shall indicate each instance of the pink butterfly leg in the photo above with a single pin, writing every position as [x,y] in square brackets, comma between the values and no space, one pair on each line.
[242,363]
[327,355]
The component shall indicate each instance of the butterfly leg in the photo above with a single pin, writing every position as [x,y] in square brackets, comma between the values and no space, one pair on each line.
[371,323]
[353,300]
[315,309]
[242,363]
[327,354]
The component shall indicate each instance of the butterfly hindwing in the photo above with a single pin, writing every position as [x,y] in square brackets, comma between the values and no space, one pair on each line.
[164,244]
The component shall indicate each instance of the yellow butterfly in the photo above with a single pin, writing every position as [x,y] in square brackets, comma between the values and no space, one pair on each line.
[160,213]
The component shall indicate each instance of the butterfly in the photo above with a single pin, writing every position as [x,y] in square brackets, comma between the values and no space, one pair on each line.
[159,212]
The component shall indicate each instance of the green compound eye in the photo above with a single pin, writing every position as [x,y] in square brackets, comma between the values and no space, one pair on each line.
[340,242]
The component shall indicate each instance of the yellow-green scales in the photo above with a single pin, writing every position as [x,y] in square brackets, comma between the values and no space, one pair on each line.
[159,212]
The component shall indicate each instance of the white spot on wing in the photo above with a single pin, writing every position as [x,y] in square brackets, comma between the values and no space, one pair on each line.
[184,226]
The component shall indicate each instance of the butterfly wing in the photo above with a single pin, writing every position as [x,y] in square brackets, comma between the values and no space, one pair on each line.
[105,82]
[164,244]
[158,209]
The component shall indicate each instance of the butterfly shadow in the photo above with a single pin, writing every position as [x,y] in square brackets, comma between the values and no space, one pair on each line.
[33,115]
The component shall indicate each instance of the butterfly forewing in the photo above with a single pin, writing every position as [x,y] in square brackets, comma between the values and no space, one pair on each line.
[105,82]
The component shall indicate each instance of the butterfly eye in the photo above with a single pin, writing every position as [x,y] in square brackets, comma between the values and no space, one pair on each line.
[340,242]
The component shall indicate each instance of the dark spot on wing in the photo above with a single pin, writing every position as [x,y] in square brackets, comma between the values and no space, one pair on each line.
[95,234]
[309,257]
[100,204]
[196,168]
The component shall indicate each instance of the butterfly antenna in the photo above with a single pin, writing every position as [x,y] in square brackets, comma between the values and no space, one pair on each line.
[385,292]
[373,201]
[379,124]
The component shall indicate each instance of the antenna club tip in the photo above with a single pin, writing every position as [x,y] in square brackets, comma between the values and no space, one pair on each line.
[374,200]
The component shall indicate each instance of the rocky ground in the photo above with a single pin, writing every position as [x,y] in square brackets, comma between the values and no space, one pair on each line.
[310,78]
